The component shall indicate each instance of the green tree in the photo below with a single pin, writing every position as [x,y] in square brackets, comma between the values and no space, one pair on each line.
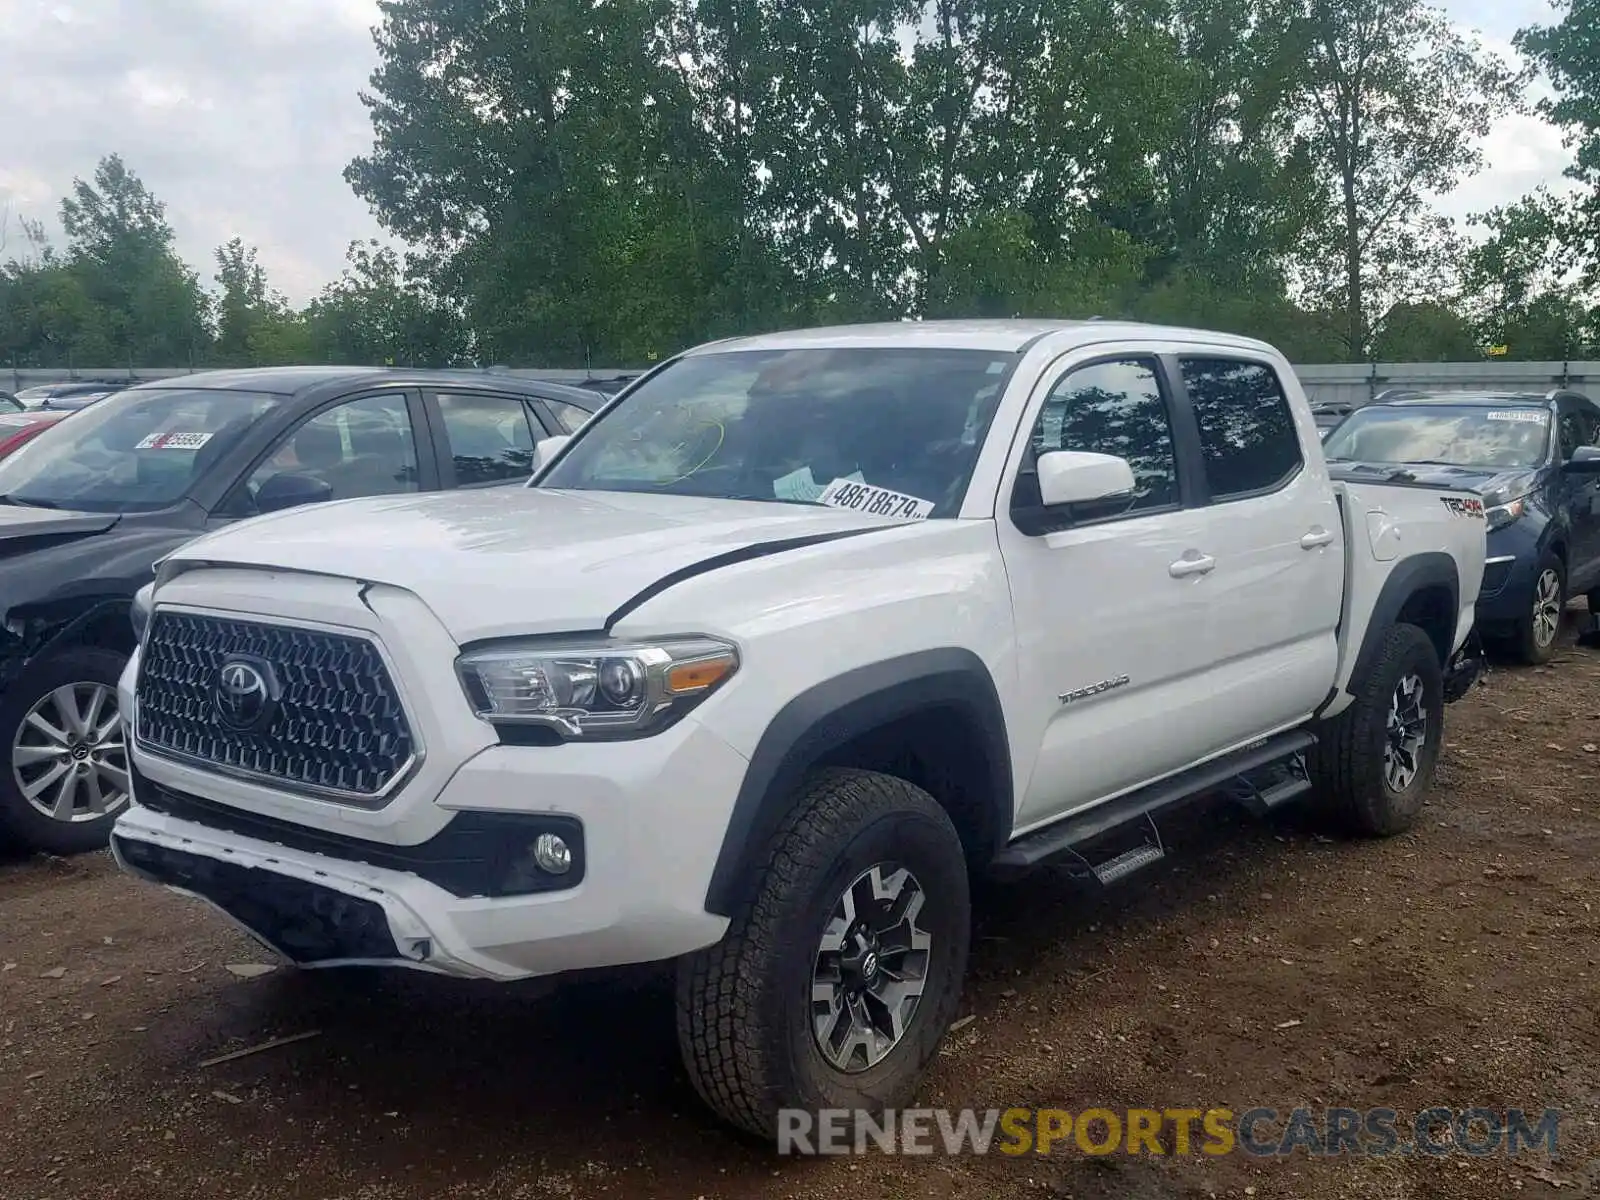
[1569,54]
[250,316]
[1396,104]
[149,305]
[1526,283]
[378,314]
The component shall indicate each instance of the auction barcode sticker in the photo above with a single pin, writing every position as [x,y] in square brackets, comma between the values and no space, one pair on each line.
[1535,416]
[874,501]
[172,441]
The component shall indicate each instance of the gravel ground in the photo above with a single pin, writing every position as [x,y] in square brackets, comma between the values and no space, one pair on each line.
[1261,965]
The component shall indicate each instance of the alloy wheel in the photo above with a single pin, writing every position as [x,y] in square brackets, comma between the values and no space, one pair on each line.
[1546,607]
[1406,733]
[871,968]
[70,754]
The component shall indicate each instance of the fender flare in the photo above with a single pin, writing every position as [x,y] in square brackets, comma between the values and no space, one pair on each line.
[1433,568]
[838,710]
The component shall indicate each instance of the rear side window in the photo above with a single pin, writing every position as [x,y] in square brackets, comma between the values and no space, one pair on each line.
[490,438]
[569,416]
[1247,432]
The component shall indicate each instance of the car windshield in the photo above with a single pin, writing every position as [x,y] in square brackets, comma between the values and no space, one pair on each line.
[801,427]
[1457,436]
[10,404]
[133,451]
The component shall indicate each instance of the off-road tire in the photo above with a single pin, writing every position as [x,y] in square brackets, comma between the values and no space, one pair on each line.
[1347,763]
[20,822]
[1524,643]
[743,1005]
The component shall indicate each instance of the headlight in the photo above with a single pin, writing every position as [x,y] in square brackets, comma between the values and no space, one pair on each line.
[594,688]
[1505,514]
[143,603]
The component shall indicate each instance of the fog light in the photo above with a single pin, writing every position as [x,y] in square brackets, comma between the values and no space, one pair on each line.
[552,854]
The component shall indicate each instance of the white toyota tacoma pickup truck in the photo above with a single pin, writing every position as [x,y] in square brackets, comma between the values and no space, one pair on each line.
[794,639]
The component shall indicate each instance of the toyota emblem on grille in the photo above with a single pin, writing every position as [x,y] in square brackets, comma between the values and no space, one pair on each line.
[245,694]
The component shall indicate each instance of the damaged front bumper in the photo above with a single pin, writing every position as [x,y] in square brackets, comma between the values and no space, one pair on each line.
[1467,667]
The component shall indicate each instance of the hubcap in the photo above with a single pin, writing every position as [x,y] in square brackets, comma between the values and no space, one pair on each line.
[1546,608]
[871,967]
[1407,731]
[70,757]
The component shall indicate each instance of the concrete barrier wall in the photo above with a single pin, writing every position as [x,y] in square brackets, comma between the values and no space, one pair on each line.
[1350,383]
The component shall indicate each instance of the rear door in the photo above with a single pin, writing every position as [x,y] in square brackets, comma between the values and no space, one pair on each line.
[1273,526]
[485,439]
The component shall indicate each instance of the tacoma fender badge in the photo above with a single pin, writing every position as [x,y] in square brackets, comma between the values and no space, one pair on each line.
[1095,689]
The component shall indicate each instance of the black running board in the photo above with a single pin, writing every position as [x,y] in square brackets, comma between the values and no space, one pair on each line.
[1238,775]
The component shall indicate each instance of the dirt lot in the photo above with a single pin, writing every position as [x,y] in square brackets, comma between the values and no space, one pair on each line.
[1455,966]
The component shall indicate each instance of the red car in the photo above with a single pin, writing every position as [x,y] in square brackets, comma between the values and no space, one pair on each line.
[18,427]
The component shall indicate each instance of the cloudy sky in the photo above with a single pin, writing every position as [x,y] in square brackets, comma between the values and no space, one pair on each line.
[241,114]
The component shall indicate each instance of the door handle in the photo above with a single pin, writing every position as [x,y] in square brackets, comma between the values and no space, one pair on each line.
[1200,564]
[1317,537]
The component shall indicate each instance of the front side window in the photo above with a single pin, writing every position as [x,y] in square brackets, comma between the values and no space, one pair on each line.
[1577,429]
[1111,408]
[135,451]
[491,440]
[892,430]
[1479,436]
[362,447]
[1247,432]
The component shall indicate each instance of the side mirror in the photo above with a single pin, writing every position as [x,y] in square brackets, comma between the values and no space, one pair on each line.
[290,489]
[1079,477]
[1585,460]
[547,449]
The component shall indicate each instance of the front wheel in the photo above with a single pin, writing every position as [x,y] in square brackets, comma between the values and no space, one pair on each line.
[1373,764]
[66,779]
[843,966]
[1541,619]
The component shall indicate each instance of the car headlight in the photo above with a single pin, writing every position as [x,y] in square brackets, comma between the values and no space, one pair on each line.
[1501,515]
[594,688]
[143,604]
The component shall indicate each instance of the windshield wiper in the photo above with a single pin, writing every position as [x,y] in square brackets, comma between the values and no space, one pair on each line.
[19,502]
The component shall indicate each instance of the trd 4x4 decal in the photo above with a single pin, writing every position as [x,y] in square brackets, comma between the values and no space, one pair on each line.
[1462,506]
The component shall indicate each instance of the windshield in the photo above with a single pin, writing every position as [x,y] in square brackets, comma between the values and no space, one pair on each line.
[9,404]
[799,426]
[133,451]
[1458,436]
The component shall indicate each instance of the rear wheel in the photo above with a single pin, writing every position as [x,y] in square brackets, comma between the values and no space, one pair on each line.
[841,971]
[1374,763]
[67,779]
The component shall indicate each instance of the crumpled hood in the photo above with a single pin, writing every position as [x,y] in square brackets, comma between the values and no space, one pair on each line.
[500,561]
[1495,486]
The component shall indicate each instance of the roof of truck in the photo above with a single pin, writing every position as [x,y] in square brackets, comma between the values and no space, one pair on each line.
[1003,336]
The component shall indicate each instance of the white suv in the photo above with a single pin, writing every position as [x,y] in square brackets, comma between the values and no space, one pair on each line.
[797,632]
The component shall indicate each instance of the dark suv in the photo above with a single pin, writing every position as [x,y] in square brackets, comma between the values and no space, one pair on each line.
[1534,460]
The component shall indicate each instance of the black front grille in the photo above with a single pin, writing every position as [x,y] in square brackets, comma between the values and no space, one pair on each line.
[337,725]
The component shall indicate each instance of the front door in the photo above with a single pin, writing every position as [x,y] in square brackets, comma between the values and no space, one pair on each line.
[1110,606]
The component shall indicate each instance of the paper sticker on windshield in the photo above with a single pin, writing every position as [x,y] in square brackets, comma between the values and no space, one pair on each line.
[172,441]
[875,501]
[1534,416]
[802,485]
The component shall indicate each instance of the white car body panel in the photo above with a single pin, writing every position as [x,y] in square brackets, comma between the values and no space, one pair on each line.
[1197,664]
